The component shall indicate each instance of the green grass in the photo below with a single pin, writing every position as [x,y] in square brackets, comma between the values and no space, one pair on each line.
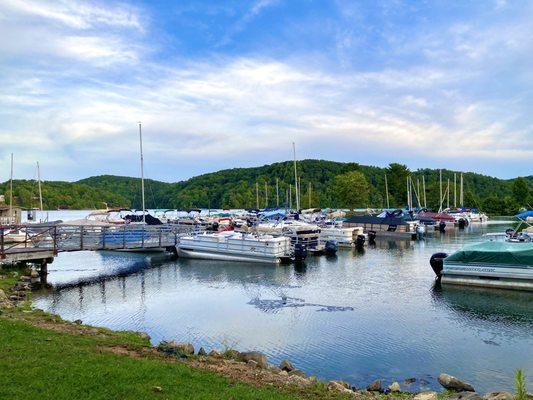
[37,363]
[520,384]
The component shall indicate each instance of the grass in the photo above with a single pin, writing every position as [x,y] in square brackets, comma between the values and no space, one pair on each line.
[39,363]
[520,384]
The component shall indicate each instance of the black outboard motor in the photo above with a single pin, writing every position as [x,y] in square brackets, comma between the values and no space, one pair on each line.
[214,226]
[437,263]
[442,226]
[462,223]
[360,240]
[300,251]
[371,237]
[331,247]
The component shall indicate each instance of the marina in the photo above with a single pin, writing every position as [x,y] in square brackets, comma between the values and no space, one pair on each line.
[374,297]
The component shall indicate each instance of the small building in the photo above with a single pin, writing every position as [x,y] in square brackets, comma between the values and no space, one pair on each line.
[10,216]
[2,198]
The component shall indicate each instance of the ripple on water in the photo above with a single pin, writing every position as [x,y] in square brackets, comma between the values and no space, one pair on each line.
[359,316]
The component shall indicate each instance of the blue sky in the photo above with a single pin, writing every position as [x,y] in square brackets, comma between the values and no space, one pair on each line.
[221,84]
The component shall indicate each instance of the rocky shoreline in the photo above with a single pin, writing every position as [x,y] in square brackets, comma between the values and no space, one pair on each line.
[252,367]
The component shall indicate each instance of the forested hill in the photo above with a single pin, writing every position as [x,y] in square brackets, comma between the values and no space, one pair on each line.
[324,183]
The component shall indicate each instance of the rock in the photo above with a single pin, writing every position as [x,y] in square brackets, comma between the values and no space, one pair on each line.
[215,354]
[395,387]
[168,347]
[186,349]
[157,389]
[256,356]
[408,381]
[34,274]
[286,365]
[284,373]
[252,363]
[4,300]
[144,335]
[25,278]
[426,396]
[452,383]
[499,396]
[312,379]
[375,386]
[464,396]
[78,322]
[297,372]
[338,386]
[202,352]
[13,297]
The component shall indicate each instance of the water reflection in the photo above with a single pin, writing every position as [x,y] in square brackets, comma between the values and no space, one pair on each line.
[387,318]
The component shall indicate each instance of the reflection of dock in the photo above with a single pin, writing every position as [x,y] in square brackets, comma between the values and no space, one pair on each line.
[40,244]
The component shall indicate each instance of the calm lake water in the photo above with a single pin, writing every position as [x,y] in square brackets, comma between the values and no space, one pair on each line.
[357,317]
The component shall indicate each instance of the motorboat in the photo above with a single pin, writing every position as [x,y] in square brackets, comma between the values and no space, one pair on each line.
[235,246]
[345,237]
[506,265]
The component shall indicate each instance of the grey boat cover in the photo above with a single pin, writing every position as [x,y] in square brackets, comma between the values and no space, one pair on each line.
[499,253]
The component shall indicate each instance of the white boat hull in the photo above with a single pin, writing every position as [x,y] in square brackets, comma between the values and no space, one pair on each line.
[487,275]
[225,256]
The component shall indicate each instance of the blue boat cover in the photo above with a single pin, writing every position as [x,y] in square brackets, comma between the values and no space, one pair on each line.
[525,214]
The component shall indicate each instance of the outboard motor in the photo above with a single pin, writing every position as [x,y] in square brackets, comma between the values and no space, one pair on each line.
[462,223]
[437,263]
[331,247]
[442,226]
[360,241]
[214,226]
[300,251]
[371,237]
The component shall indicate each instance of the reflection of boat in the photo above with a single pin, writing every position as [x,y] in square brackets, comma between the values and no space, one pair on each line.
[486,304]
[234,246]
[490,264]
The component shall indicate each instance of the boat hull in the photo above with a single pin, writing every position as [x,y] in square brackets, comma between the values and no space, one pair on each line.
[225,256]
[487,275]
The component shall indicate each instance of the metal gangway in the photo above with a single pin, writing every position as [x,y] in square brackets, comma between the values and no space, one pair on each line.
[27,243]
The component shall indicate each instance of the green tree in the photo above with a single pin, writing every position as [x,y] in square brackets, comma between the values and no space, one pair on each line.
[351,190]
[397,181]
[521,191]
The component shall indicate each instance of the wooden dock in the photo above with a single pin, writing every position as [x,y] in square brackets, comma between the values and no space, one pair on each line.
[42,243]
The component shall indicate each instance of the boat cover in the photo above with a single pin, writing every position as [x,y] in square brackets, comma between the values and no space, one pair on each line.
[525,214]
[498,253]
[371,219]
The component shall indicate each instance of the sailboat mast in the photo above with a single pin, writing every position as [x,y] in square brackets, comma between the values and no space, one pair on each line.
[39,184]
[11,189]
[309,193]
[290,196]
[142,172]
[387,191]
[455,190]
[440,188]
[266,195]
[295,177]
[418,192]
[277,193]
[424,189]
[462,198]
[257,195]
[448,195]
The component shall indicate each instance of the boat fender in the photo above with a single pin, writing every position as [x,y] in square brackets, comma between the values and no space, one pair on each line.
[437,263]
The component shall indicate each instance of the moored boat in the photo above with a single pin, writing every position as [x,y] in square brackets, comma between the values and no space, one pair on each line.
[503,265]
[235,246]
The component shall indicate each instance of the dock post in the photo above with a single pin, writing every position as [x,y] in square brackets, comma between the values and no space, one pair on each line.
[160,232]
[2,255]
[43,272]
[124,237]
[81,237]
[142,237]
[104,231]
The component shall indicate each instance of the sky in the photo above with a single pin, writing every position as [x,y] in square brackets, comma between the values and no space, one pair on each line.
[223,84]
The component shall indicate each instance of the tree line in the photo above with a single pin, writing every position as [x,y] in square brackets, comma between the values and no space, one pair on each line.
[321,184]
